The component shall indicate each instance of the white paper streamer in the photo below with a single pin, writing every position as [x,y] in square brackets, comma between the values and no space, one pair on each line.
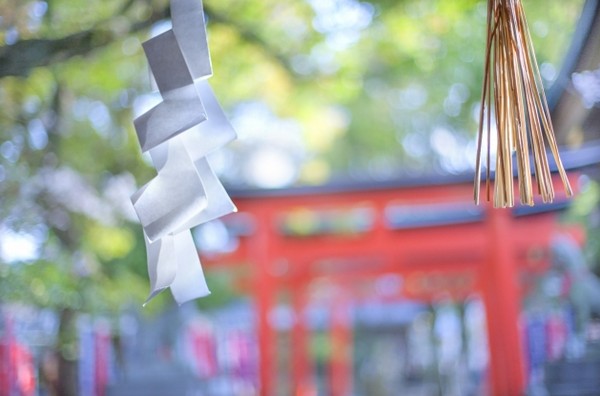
[173,262]
[190,30]
[179,133]
[182,107]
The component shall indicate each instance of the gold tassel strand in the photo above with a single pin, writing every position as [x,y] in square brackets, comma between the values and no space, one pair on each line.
[513,91]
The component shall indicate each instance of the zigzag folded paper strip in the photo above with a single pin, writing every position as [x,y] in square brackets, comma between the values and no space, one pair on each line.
[181,108]
[219,203]
[176,198]
[183,195]
[177,58]
[175,195]
[169,258]
[191,36]
[179,133]
[211,134]
[173,263]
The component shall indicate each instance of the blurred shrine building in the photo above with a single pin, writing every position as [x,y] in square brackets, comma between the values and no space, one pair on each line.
[343,248]
[346,249]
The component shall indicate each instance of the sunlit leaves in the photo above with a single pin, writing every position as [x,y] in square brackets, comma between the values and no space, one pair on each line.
[360,88]
[110,243]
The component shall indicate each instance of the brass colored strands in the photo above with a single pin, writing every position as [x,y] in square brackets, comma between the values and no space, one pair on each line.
[513,89]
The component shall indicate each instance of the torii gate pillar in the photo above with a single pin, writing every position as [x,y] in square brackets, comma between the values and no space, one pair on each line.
[501,296]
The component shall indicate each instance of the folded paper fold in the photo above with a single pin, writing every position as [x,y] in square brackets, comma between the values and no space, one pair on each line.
[173,263]
[189,282]
[176,194]
[182,107]
[213,133]
[190,30]
[162,264]
[179,133]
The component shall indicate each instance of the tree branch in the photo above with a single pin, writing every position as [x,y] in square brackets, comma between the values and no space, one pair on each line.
[22,57]
[250,36]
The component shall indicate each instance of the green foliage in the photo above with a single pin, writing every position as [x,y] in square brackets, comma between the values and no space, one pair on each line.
[370,84]
[585,211]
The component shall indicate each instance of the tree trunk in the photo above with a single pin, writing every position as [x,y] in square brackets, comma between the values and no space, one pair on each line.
[67,348]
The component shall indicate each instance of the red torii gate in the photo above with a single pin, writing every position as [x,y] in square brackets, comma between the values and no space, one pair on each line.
[422,230]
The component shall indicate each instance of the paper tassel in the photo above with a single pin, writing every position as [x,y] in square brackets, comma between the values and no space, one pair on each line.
[179,133]
[513,92]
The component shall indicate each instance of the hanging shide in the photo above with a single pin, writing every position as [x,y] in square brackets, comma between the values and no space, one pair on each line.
[513,96]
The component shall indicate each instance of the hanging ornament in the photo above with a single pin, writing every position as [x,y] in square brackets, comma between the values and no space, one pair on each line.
[515,110]
[179,132]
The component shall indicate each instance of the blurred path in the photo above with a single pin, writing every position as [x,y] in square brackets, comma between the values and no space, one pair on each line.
[580,377]
[150,366]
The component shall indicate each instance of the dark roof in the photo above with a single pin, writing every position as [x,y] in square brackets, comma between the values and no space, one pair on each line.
[573,159]
[581,54]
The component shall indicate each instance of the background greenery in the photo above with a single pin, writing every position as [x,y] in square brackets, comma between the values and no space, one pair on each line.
[325,88]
